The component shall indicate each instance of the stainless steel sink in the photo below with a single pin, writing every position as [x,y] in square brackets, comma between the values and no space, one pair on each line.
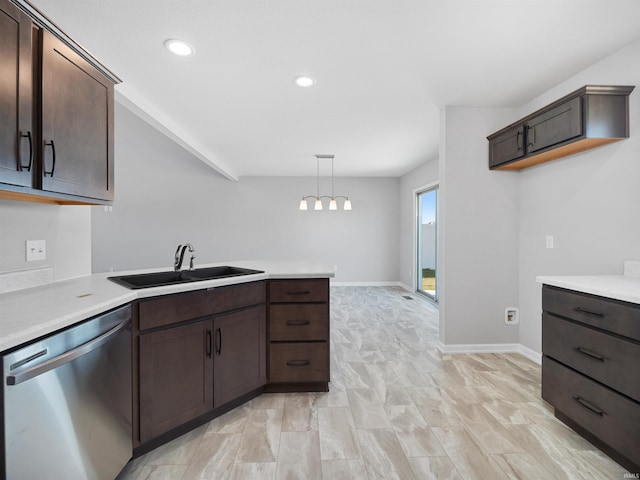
[159,279]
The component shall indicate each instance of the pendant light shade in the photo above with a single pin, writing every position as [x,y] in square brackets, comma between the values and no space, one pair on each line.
[333,204]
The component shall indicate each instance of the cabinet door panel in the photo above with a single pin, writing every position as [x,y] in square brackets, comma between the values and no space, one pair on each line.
[559,124]
[176,377]
[77,124]
[240,358]
[507,147]
[16,134]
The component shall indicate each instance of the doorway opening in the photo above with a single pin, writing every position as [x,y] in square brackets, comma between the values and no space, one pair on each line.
[427,242]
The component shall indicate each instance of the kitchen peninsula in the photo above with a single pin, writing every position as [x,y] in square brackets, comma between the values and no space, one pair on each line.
[199,348]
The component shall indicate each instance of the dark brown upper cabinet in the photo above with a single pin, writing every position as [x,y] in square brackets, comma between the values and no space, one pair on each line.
[77,124]
[592,116]
[57,103]
[16,92]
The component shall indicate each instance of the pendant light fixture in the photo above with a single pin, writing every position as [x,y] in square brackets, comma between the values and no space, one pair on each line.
[333,204]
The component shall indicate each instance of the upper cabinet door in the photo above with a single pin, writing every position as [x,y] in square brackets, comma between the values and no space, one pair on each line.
[507,146]
[16,135]
[77,124]
[558,125]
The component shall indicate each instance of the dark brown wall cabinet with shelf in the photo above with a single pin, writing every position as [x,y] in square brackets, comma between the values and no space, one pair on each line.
[591,350]
[298,335]
[592,116]
[57,107]
[194,353]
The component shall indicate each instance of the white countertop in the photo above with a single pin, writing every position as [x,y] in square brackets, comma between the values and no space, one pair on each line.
[619,287]
[34,312]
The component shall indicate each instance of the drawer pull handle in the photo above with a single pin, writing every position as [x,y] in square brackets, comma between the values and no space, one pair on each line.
[587,312]
[298,363]
[589,353]
[589,406]
[300,292]
[297,323]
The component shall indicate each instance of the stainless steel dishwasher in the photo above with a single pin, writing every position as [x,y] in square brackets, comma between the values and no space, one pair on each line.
[67,402]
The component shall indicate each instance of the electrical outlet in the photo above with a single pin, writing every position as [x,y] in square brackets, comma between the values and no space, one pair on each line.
[36,250]
[549,241]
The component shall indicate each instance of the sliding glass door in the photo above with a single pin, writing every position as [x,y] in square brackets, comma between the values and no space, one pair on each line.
[427,242]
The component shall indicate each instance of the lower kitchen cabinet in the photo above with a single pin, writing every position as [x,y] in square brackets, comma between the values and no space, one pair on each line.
[591,349]
[200,353]
[298,335]
[176,377]
[239,364]
[195,353]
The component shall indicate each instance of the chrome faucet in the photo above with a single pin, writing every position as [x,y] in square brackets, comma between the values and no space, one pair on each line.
[179,256]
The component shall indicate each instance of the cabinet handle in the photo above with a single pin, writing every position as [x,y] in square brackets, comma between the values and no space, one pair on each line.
[53,150]
[298,363]
[301,292]
[297,323]
[219,341]
[587,312]
[531,135]
[518,140]
[589,354]
[589,406]
[28,167]
[209,343]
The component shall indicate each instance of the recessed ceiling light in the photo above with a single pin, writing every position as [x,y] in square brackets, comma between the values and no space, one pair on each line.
[304,81]
[179,47]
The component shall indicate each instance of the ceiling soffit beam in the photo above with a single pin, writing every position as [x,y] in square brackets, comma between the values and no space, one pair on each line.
[139,107]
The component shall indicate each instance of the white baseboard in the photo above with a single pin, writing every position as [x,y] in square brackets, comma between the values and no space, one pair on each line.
[372,284]
[491,348]
[365,284]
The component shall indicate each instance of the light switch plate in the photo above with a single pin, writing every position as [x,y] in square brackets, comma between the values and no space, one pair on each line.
[36,250]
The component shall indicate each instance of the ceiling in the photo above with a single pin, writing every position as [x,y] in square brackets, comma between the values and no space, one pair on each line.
[384,68]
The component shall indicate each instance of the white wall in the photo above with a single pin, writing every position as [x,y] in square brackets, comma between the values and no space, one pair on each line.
[425,174]
[66,229]
[588,202]
[478,232]
[165,197]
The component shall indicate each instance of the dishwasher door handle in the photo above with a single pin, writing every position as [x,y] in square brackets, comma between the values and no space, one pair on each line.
[66,357]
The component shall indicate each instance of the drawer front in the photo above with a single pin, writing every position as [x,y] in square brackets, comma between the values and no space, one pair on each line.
[170,309]
[298,362]
[603,357]
[180,307]
[612,418]
[611,315]
[306,290]
[299,322]
[233,297]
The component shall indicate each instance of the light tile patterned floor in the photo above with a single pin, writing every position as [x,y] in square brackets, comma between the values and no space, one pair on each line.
[397,409]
